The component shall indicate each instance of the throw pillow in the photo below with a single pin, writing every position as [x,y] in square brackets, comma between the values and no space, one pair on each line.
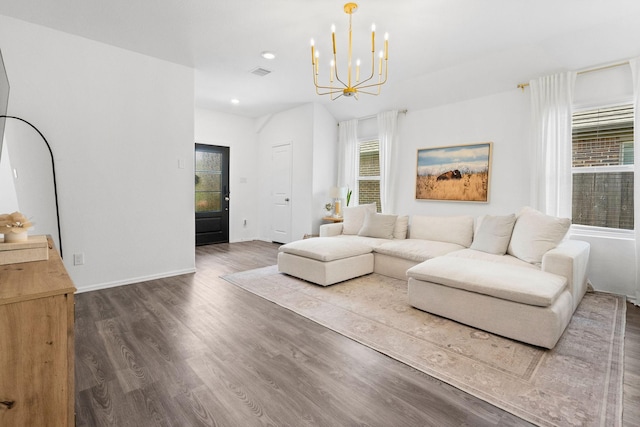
[535,234]
[493,234]
[378,225]
[353,217]
[449,229]
[400,230]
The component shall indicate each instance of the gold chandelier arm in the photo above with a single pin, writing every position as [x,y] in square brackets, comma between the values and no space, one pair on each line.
[326,90]
[329,92]
[380,83]
[373,71]
[370,93]
[330,88]
[335,61]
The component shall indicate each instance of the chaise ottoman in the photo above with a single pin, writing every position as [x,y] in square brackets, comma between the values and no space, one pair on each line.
[324,260]
[521,303]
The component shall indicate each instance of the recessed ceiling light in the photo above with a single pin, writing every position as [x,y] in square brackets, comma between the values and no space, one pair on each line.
[268,55]
[235,101]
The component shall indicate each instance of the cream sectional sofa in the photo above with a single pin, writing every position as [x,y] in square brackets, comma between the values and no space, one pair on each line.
[513,275]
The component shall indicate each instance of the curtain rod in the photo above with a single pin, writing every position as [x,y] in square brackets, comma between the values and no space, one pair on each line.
[373,116]
[587,70]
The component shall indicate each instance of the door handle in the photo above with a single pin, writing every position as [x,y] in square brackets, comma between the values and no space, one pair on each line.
[226,198]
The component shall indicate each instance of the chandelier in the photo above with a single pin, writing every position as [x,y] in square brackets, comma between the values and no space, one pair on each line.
[352,86]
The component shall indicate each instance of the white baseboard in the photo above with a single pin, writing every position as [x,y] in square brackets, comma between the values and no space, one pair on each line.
[131,281]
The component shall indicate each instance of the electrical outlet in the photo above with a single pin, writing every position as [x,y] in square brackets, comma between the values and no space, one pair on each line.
[78,259]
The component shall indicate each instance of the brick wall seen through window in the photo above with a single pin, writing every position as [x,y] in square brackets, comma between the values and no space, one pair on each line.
[369,173]
[602,164]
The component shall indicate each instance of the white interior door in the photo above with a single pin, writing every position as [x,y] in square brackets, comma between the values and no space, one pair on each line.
[281,193]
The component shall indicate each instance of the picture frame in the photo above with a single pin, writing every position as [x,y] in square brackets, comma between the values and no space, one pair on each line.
[454,173]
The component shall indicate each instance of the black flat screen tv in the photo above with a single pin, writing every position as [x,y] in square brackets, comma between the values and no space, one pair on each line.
[4,99]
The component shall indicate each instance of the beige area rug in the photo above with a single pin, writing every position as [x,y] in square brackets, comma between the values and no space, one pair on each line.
[578,383]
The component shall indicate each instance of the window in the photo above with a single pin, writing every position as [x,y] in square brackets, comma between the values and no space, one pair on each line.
[602,167]
[369,173]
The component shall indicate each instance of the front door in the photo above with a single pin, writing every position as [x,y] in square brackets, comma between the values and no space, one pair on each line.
[212,194]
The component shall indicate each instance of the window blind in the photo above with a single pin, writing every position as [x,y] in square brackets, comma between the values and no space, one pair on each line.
[603,137]
[602,179]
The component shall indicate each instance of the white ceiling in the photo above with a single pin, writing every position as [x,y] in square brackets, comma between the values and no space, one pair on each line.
[440,51]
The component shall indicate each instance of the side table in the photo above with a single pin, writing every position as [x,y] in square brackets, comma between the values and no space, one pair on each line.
[332,219]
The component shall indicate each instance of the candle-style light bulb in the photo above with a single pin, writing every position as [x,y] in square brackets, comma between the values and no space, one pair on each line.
[333,69]
[386,46]
[317,61]
[333,37]
[373,37]
[358,70]
[313,53]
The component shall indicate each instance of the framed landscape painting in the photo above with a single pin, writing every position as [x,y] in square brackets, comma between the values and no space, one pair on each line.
[458,173]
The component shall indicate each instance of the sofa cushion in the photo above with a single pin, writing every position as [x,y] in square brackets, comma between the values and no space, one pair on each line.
[372,242]
[509,282]
[353,217]
[401,227]
[451,229]
[493,234]
[535,233]
[325,248]
[485,256]
[416,249]
[378,225]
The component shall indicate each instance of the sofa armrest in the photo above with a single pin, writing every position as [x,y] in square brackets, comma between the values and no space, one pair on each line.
[570,259]
[328,230]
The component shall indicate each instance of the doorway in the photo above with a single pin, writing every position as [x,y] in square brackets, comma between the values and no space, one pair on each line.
[211,194]
[281,193]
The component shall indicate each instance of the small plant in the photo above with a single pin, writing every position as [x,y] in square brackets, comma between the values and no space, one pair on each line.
[14,223]
[328,207]
[348,195]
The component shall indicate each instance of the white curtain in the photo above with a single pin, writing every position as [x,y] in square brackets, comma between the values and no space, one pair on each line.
[551,99]
[348,157]
[388,137]
[635,72]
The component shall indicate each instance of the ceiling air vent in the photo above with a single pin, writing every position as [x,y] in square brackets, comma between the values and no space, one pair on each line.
[259,71]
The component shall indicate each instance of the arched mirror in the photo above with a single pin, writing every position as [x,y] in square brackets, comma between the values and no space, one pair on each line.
[27,170]
[26,178]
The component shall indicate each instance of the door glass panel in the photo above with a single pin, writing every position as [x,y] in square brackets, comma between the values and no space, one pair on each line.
[208,182]
[208,161]
[207,201]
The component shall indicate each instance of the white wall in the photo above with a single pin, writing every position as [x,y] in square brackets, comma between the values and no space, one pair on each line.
[502,119]
[119,124]
[239,134]
[325,162]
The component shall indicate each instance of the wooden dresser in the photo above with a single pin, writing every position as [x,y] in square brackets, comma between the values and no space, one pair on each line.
[36,344]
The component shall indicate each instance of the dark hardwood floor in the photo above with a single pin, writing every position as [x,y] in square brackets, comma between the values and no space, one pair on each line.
[194,350]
